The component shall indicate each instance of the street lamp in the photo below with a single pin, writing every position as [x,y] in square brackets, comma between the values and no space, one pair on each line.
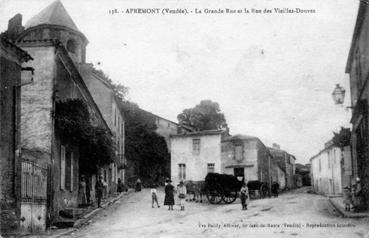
[338,94]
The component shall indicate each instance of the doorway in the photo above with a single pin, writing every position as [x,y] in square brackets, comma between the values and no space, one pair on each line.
[239,173]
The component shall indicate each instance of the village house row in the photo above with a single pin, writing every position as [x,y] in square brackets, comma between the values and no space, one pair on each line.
[44,79]
[346,166]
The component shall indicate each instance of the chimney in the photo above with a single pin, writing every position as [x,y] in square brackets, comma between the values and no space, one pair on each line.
[276,146]
[15,27]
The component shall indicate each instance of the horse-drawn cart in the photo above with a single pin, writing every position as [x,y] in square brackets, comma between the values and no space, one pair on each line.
[221,187]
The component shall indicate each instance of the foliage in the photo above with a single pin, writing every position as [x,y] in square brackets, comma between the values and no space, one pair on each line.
[146,150]
[120,91]
[72,123]
[204,116]
[342,138]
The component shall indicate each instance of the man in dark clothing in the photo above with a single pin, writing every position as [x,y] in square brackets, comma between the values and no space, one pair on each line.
[275,188]
[99,188]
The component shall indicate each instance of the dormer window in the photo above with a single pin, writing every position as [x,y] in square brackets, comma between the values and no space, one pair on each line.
[72,46]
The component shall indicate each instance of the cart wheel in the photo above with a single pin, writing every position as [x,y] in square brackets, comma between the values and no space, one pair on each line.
[215,194]
[229,197]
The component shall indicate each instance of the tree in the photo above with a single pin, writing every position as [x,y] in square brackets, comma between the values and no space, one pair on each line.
[146,152]
[73,125]
[204,116]
[342,138]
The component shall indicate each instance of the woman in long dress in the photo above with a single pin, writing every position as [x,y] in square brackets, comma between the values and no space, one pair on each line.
[169,195]
[82,198]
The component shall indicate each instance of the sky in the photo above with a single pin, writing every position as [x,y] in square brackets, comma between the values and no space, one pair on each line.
[272,74]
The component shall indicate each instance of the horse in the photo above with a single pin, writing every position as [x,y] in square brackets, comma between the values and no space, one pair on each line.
[196,188]
[261,187]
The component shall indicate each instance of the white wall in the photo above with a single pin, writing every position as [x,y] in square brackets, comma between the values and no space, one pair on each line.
[196,164]
[328,179]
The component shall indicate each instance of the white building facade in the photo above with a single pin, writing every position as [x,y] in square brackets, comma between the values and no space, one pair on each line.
[194,155]
[326,170]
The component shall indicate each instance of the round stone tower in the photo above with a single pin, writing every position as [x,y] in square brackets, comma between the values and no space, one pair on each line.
[54,22]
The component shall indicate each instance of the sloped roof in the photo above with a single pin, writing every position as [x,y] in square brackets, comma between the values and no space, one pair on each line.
[54,14]
[240,137]
[199,133]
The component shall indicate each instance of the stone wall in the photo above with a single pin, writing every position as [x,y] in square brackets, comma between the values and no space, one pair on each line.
[37,101]
[9,136]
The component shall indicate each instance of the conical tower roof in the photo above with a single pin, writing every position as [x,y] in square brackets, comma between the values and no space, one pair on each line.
[54,14]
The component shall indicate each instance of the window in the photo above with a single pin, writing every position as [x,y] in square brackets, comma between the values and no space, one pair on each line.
[238,152]
[196,146]
[329,159]
[211,168]
[62,167]
[73,90]
[69,171]
[182,171]
[115,116]
[320,165]
[72,46]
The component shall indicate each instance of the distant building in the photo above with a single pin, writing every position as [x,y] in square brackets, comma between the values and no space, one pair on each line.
[11,59]
[195,154]
[327,172]
[286,162]
[247,157]
[304,174]
[278,175]
[166,128]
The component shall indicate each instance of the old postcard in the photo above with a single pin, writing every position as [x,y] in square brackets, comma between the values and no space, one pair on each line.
[173,118]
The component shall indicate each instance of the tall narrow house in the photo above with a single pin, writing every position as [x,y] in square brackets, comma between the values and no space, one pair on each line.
[357,68]
[56,154]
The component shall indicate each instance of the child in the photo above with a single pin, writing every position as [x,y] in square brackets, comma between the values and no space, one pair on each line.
[154,196]
[347,198]
[244,196]
[182,194]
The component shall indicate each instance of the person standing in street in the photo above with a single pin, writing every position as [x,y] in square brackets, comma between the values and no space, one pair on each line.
[82,198]
[169,195]
[138,185]
[347,198]
[182,194]
[154,196]
[244,196]
[99,188]
[356,196]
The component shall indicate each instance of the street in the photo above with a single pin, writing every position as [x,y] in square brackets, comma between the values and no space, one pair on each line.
[292,214]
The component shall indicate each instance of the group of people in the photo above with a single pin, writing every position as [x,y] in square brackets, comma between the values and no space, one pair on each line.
[100,188]
[169,190]
[352,197]
[182,191]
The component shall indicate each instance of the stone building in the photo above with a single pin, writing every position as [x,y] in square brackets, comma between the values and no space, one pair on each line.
[358,70]
[103,94]
[166,128]
[286,162]
[11,59]
[278,175]
[51,164]
[195,154]
[246,156]
[328,174]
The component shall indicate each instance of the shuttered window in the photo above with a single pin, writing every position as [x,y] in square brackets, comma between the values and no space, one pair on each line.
[71,170]
[182,172]
[239,152]
[68,171]
[62,167]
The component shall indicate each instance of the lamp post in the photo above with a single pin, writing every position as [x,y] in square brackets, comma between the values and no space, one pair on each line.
[338,94]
